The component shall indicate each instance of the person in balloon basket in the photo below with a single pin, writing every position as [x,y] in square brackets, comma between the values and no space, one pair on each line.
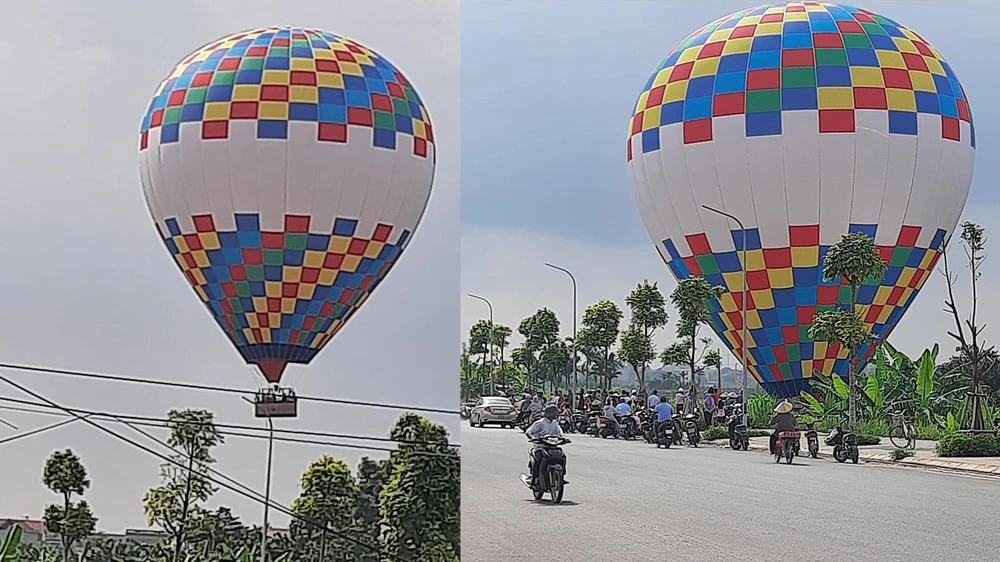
[783,420]
[545,427]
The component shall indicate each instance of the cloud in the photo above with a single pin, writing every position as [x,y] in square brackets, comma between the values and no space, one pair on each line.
[507,267]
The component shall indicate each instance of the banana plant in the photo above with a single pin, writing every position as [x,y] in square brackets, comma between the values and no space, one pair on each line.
[9,545]
[925,382]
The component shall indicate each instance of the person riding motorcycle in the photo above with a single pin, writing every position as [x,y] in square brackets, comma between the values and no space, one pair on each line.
[783,420]
[545,427]
[523,408]
[537,405]
[664,414]
[611,415]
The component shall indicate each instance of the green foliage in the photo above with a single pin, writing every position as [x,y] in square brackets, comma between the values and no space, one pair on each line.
[760,409]
[539,330]
[855,259]
[479,338]
[968,445]
[840,326]
[10,543]
[712,359]
[636,349]
[875,427]
[759,432]
[868,439]
[601,322]
[715,432]
[931,432]
[65,475]
[648,307]
[421,499]
[329,498]
[900,454]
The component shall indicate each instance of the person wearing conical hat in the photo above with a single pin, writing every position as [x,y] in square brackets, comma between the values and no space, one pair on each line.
[783,420]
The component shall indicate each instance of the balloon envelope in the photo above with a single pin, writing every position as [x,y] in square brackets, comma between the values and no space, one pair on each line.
[286,170]
[805,121]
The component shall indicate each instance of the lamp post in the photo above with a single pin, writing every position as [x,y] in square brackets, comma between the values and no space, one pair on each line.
[572,392]
[267,485]
[743,307]
[493,389]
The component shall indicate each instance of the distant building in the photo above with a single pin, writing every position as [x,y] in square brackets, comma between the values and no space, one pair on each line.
[33,531]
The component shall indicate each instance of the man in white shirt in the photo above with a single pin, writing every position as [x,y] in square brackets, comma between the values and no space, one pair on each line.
[544,427]
[653,399]
[609,414]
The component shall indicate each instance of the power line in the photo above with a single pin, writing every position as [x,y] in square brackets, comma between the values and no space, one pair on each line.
[220,425]
[210,388]
[43,429]
[230,487]
[169,424]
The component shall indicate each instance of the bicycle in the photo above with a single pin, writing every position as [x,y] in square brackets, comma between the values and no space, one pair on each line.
[901,432]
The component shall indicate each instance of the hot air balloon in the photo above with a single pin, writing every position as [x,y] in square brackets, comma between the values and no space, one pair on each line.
[805,121]
[286,170]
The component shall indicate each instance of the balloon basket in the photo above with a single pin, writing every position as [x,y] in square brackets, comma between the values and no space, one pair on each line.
[276,402]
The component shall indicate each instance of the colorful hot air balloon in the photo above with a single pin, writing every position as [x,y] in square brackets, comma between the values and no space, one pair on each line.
[286,170]
[805,120]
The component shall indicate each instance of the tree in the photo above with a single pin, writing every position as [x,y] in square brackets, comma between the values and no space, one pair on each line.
[539,330]
[648,314]
[636,349]
[691,298]
[852,260]
[713,359]
[479,344]
[420,502]
[65,475]
[500,340]
[601,323]
[174,504]
[978,358]
[372,477]
[329,498]
[557,362]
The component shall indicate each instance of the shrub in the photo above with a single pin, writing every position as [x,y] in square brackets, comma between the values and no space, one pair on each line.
[899,454]
[760,409]
[868,439]
[715,432]
[760,433]
[932,432]
[873,427]
[968,445]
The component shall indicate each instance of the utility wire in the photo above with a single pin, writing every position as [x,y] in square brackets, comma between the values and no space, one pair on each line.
[255,496]
[37,431]
[209,388]
[303,432]
[169,424]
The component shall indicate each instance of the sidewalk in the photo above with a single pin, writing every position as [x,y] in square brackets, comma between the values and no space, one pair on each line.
[923,455]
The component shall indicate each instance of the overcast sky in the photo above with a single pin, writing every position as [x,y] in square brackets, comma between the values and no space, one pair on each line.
[86,284]
[544,175]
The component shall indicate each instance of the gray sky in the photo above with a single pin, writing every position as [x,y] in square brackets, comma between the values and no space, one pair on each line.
[544,172]
[87,285]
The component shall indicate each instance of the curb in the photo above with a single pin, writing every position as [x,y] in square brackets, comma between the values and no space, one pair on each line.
[917,462]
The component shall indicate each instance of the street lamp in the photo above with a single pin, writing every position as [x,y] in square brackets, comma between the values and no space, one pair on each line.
[743,308]
[267,484]
[493,389]
[572,392]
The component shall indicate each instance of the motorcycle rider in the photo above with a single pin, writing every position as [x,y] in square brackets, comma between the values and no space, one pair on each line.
[537,405]
[610,413]
[523,407]
[783,420]
[664,414]
[545,427]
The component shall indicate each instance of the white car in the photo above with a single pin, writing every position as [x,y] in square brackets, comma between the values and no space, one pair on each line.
[493,409]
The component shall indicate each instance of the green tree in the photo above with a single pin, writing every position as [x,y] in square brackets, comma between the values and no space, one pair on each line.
[853,260]
[372,477]
[636,349]
[539,330]
[479,344]
[329,497]
[648,313]
[420,502]
[65,475]
[500,341]
[977,357]
[601,323]
[691,297]
[557,362]
[174,504]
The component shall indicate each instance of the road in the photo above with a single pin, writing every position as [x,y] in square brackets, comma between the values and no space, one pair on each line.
[630,501]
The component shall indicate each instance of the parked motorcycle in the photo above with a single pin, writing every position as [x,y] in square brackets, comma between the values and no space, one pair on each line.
[580,422]
[594,424]
[812,443]
[845,445]
[606,430]
[787,446]
[565,423]
[665,436]
[678,426]
[647,426]
[691,429]
[551,473]
[629,427]
[739,436]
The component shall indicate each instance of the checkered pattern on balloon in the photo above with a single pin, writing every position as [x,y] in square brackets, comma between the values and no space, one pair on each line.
[803,56]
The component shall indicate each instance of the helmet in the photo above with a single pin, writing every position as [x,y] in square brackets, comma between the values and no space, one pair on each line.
[551,412]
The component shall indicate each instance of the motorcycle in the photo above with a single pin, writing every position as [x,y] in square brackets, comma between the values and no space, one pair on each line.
[605,430]
[528,420]
[629,427]
[678,427]
[594,424]
[647,426]
[465,412]
[580,422]
[551,474]
[691,429]
[812,443]
[739,437]
[665,436]
[787,446]
[565,423]
[845,445]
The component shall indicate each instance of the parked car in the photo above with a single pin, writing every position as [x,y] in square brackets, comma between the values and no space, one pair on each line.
[495,410]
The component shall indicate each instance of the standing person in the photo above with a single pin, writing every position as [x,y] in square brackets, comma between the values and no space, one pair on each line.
[560,401]
[689,399]
[679,400]
[653,399]
[709,406]
[537,405]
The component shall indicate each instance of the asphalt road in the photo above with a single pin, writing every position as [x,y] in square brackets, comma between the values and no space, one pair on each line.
[629,501]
